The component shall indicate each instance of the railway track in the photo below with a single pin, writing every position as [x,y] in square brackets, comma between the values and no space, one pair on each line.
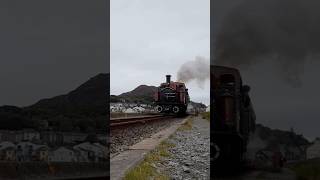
[117,122]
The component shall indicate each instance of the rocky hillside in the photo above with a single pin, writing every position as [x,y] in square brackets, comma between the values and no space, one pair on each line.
[142,93]
[83,109]
[92,95]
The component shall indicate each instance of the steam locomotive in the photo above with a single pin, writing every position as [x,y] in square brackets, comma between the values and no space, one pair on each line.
[233,118]
[172,97]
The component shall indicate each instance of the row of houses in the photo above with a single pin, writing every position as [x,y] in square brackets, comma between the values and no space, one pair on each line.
[48,137]
[144,108]
[208,109]
[313,150]
[195,109]
[130,108]
[27,151]
[259,149]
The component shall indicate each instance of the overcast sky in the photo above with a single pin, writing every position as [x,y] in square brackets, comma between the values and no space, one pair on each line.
[152,38]
[48,48]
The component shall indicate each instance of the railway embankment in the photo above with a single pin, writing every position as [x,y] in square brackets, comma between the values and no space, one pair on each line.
[184,155]
[134,154]
[189,157]
[121,138]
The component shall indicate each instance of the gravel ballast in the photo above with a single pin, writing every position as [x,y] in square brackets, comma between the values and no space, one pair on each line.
[122,138]
[190,156]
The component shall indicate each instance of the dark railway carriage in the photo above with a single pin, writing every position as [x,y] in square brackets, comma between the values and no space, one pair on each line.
[233,117]
[172,97]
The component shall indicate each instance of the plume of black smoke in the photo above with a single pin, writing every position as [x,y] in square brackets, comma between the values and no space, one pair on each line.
[198,69]
[286,32]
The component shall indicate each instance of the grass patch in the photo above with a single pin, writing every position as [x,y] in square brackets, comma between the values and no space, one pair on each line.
[206,115]
[146,170]
[307,170]
[186,126]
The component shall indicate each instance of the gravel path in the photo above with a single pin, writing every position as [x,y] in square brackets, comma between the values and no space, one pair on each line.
[121,139]
[190,158]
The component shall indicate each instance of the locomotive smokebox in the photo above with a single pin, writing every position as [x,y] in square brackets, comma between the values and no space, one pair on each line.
[168,78]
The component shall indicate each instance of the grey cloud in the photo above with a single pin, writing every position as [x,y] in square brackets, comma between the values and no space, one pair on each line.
[50,47]
[150,39]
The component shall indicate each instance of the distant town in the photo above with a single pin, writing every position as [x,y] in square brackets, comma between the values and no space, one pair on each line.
[65,128]
[50,146]
[123,107]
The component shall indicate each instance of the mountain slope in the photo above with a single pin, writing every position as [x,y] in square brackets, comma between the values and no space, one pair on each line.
[142,94]
[90,95]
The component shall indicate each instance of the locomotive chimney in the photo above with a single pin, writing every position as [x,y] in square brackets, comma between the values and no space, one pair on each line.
[168,78]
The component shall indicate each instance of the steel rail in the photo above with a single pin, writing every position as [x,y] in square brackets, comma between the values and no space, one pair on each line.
[115,122]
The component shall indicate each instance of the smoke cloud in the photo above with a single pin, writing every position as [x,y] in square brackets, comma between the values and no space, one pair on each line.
[283,32]
[198,69]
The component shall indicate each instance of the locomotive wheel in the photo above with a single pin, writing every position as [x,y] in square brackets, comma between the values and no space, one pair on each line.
[216,152]
[159,109]
[175,109]
[227,157]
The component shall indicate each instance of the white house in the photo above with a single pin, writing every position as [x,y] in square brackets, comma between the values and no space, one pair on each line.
[71,137]
[24,151]
[102,150]
[91,152]
[190,108]
[6,144]
[62,154]
[139,109]
[8,136]
[117,107]
[144,105]
[27,151]
[40,153]
[51,137]
[7,151]
[28,135]
[208,109]
[129,110]
[313,151]
[17,136]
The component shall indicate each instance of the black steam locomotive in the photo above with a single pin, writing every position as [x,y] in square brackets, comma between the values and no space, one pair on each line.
[172,97]
[233,118]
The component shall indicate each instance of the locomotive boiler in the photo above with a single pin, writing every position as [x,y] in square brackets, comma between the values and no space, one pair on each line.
[233,118]
[172,97]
